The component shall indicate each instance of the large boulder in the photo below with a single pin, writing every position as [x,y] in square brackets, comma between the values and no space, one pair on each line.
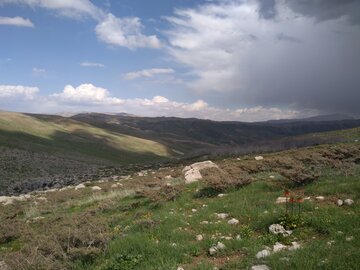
[192,172]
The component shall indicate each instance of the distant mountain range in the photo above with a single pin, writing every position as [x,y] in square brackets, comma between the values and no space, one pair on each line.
[67,149]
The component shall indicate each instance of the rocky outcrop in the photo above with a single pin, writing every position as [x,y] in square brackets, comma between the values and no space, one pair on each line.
[192,172]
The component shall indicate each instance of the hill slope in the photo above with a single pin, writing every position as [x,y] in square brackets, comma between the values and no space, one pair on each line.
[154,221]
[44,145]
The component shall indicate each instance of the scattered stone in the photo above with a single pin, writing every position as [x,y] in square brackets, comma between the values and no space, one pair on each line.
[349,238]
[282,200]
[320,198]
[262,254]
[180,268]
[233,221]
[222,215]
[259,157]
[204,222]
[329,243]
[294,246]
[307,199]
[173,244]
[168,177]
[279,229]
[220,246]
[199,237]
[348,201]
[238,158]
[272,176]
[42,199]
[193,210]
[221,195]
[260,267]
[212,251]
[96,188]
[79,186]
[238,237]
[340,202]
[286,259]
[278,247]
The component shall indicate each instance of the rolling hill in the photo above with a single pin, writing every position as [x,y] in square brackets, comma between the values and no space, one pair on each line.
[43,151]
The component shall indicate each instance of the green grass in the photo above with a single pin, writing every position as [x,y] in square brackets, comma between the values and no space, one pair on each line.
[67,137]
[147,235]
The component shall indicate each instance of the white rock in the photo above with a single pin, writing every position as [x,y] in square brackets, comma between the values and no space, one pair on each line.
[79,186]
[340,202]
[348,201]
[259,157]
[320,198]
[272,176]
[349,238]
[222,215]
[43,199]
[212,251]
[193,210]
[220,246]
[221,195]
[238,237]
[233,221]
[281,200]
[262,254]
[279,229]
[294,246]
[96,188]
[278,247]
[180,268]
[199,237]
[204,222]
[260,267]
[192,172]
[168,177]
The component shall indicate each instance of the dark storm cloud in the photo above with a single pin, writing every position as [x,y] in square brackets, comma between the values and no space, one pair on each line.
[267,9]
[321,10]
[285,37]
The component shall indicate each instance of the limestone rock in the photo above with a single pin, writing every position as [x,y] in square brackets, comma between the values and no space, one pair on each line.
[233,221]
[279,229]
[96,188]
[199,237]
[79,186]
[349,202]
[222,215]
[260,267]
[340,202]
[320,198]
[259,158]
[192,172]
[262,254]
[281,200]
[278,247]
[294,246]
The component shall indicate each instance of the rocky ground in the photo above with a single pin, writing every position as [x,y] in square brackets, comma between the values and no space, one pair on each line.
[220,214]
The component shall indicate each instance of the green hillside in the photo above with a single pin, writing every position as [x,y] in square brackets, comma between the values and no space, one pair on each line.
[64,136]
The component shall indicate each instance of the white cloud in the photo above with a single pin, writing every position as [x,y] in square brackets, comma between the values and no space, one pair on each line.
[86,94]
[38,71]
[147,73]
[69,8]
[18,91]
[91,64]
[93,98]
[16,21]
[125,32]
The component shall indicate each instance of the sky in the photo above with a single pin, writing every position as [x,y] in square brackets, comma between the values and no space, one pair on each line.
[238,60]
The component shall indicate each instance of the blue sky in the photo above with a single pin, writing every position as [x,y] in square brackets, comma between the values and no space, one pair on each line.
[242,60]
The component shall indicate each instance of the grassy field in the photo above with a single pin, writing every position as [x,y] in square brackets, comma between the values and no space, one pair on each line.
[127,228]
[77,140]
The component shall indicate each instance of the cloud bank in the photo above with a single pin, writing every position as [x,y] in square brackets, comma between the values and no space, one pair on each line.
[16,21]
